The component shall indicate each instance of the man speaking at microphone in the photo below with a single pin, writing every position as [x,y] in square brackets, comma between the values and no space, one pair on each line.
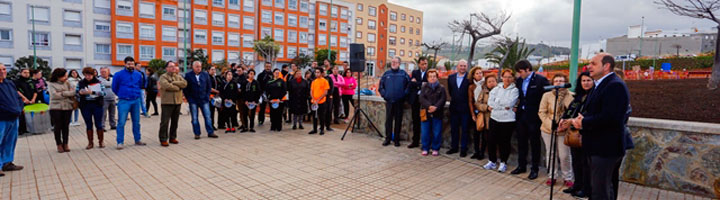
[602,125]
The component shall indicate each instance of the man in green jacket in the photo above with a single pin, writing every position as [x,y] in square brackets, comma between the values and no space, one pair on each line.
[171,87]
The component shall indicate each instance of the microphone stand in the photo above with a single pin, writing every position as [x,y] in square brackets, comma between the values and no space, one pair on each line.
[553,145]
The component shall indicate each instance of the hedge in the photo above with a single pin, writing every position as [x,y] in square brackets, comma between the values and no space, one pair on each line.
[699,62]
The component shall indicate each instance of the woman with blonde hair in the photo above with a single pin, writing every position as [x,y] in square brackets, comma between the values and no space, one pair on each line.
[547,108]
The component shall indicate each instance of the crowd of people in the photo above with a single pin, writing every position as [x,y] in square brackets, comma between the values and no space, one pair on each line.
[484,112]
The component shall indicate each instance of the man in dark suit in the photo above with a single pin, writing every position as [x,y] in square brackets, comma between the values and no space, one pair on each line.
[418,78]
[197,93]
[459,109]
[528,122]
[602,125]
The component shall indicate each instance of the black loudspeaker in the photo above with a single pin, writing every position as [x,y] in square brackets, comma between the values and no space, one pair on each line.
[357,57]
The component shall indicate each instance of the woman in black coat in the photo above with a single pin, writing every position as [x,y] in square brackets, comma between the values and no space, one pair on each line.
[299,90]
[251,96]
[276,90]
[229,93]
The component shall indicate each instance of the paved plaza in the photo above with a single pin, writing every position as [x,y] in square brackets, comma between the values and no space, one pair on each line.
[263,165]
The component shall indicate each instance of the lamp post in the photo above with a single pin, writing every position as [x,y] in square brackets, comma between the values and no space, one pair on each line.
[330,34]
[185,35]
[34,40]
[575,42]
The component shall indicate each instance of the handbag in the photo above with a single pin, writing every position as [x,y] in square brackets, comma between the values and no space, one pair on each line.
[423,115]
[75,103]
[573,138]
[480,122]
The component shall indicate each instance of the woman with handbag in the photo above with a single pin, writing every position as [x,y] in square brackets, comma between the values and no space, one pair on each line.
[475,90]
[432,103]
[61,106]
[482,119]
[546,111]
[580,165]
[502,105]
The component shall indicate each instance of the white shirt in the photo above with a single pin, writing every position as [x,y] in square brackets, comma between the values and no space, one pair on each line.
[197,78]
[597,82]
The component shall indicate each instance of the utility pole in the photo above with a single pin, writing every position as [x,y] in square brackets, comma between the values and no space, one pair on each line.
[330,33]
[185,36]
[575,42]
[34,40]
[642,35]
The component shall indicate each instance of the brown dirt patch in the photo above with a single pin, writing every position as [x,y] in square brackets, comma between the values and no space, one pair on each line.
[687,100]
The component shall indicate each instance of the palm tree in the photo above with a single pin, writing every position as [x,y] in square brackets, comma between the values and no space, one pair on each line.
[508,51]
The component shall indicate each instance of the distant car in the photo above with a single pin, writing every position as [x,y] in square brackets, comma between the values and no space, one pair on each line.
[630,57]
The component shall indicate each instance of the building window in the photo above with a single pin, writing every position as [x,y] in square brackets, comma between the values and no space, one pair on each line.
[73,42]
[266,16]
[147,31]
[344,13]
[168,52]
[393,28]
[72,18]
[333,40]
[292,36]
[402,40]
[360,7]
[412,18]
[292,20]
[358,21]
[371,51]
[417,19]
[267,2]
[124,30]
[279,18]
[411,30]
[303,38]
[343,42]
[410,54]
[391,53]
[372,11]
[248,23]
[323,9]
[169,13]
[200,36]
[248,5]
[218,38]
[402,29]
[73,63]
[410,42]
[247,41]
[393,16]
[42,15]
[218,19]
[248,56]
[147,53]
[5,35]
[417,31]
[147,10]
[334,12]
[402,17]
[303,22]
[102,49]
[392,40]
[293,4]
[124,50]
[266,32]
[233,21]
[417,42]
[371,37]
[234,4]
[358,35]
[304,6]
[279,3]
[218,3]
[105,4]
[402,52]
[279,34]
[169,34]
[333,26]
[322,25]
[281,52]
[292,52]
[233,56]
[371,24]
[124,7]
[233,39]
[344,28]
[200,17]
[322,39]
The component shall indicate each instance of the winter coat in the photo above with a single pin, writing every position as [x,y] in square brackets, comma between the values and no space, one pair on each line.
[61,95]
[171,87]
[433,96]
[95,97]
[394,85]
[481,105]
[501,98]
[350,86]
[299,95]
[546,109]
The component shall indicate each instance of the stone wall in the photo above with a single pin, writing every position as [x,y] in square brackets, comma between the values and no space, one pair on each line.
[673,155]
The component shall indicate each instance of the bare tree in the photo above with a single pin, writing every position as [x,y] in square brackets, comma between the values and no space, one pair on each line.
[479,26]
[677,49]
[700,9]
[435,46]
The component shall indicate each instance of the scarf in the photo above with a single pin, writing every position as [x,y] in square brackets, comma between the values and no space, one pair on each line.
[478,89]
[434,85]
[298,80]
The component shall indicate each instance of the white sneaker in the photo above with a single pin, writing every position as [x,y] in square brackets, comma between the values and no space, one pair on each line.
[490,165]
[75,124]
[502,167]
[120,146]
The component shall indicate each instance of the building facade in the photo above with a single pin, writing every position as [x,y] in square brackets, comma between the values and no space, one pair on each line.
[659,43]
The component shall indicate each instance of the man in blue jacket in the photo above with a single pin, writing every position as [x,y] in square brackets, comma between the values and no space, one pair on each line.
[10,110]
[393,88]
[127,86]
[197,94]
[528,122]
[458,84]
[602,125]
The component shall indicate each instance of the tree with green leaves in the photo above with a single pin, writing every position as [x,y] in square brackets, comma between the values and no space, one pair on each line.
[448,65]
[196,55]
[158,65]
[267,48]
[302,60]
[27,63]
[508,51]
[322,54]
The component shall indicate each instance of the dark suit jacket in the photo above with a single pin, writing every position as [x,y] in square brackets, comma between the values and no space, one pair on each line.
[604,118]
[531,100]
[198,92]
[458,96]
[415,86]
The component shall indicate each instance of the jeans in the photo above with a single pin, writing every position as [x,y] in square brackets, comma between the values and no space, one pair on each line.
[132,107]
[8,139]
[92,111]
[431,134]
[142,103]
[76,113]
[109,112]
[205,109]
[61,118]
[459,121]
[169,114]
[393,112]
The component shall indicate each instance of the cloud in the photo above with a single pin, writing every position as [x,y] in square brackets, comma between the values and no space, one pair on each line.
[550,21]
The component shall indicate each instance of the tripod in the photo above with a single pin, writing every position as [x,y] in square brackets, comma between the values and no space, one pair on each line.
[356,117]
[553,145]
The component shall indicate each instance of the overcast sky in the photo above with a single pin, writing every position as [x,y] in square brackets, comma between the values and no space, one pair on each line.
[550,21]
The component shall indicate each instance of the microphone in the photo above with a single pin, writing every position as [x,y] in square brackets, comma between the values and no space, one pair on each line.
[553,87]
